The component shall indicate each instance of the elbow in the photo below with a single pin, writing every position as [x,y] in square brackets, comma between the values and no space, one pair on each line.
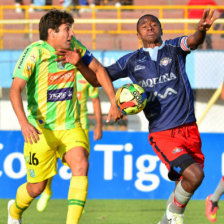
[11,94]
[96,84]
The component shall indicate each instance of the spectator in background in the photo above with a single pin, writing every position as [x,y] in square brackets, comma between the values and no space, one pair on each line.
[197,13]
[18,4]
[33,3]
[218,25]
[68,3]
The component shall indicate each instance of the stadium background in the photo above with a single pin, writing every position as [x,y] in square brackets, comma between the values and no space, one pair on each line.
[123,165]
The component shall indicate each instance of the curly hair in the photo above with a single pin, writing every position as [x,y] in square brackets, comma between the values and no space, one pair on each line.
[53,19]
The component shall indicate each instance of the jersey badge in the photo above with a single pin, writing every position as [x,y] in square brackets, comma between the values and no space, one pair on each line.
[32,173]
[165,61]
[60,65]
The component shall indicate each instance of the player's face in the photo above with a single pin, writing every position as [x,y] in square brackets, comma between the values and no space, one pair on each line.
[149,31]
[62,38]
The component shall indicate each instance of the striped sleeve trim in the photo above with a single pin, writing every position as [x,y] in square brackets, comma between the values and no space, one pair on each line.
[183,44]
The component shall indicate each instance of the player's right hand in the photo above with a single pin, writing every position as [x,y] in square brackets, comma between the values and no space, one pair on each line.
[114,113]
[30,133]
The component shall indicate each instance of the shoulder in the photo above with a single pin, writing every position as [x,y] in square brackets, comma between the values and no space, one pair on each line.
[128,58]
[176,42]
[179,42]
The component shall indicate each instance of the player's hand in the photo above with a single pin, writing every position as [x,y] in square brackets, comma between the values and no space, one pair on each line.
[114,113]
[206,20]
[68,56]
[30,133]
[97,135]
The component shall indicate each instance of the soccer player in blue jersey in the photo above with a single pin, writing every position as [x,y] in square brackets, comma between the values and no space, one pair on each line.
[159,67]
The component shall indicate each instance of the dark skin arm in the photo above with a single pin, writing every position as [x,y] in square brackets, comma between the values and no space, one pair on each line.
[204,25]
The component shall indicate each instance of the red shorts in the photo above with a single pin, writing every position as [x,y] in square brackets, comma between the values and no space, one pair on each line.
[178,148]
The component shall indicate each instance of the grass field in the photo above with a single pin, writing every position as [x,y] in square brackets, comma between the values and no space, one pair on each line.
[112,212]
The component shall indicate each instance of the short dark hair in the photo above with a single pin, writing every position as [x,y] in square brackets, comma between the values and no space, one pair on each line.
[154,18]
[53,19]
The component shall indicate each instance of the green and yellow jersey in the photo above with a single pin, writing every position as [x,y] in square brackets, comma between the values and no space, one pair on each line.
[84,90]
[51,87]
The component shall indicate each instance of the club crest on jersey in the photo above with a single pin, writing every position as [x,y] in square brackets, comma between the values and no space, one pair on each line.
[60,65]
[165,61]
[139,67]
[32,173]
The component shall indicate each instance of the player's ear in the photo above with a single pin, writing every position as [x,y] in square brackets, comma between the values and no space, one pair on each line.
[51,33]
[138,35]
[161,31]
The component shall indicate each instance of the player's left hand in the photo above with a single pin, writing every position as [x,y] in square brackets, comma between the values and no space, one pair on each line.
[206,20]
[68,56]
[97,135]
[114,113]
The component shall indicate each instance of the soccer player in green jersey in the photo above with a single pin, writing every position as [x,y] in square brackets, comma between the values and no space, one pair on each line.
[52,126]
[84,91]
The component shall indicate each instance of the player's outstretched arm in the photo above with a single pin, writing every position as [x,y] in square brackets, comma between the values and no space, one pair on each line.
[30,133]
[105,81]
[204,25]
[74,58]
[98,115]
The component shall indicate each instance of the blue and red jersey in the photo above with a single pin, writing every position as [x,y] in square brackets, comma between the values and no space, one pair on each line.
[164,79]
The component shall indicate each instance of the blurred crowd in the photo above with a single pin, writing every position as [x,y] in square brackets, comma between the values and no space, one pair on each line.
[68,3]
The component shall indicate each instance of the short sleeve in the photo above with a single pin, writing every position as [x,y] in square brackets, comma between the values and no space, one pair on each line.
[26,63]
[93,92]
[86,55]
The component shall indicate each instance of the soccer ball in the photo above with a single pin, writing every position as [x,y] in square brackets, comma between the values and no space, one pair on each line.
[131,99]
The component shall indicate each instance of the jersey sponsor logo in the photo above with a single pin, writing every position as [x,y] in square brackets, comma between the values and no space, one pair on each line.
[23,57]
[88,53]
[82,81]
[142,59]
[61,77]
[139,67]
[165,61]
[157,80]
[33,58]
[79,94]
[59,94]
[176,150]
[168,92]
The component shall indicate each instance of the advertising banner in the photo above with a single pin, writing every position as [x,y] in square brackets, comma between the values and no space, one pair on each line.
[122,166]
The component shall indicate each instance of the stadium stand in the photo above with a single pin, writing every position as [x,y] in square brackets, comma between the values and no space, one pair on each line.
[107,36]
